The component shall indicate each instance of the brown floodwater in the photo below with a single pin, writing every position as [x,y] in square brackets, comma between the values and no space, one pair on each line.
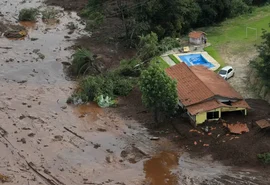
[91,111]
[159,169]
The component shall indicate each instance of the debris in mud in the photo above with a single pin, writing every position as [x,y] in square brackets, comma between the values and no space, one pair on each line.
[263,123]
[15,32]
[154,138]
[31,134]
[96,146]
[4,178]
[109,151]
[58,138]
[238,128]
[21,81]
[3,132]
[34,39]
[109,159]
[23,140]
[66,63]
[101,130]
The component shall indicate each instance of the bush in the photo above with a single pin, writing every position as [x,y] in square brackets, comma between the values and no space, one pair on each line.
[77,98]
[49,13]
[265,158]
[238,7]
[28,14]
[83,62]
[130,68]
[110,85]
[93,86]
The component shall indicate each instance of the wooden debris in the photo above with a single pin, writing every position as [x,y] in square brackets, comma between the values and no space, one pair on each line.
[74,133]
[263,123]
[238,128]
[154,138]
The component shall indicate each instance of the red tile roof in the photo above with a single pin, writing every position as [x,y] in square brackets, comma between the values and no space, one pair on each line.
[190,88]
[198,88]
[196,34]
[215,82]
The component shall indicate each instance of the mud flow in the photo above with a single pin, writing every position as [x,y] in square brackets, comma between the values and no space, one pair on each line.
[45,141]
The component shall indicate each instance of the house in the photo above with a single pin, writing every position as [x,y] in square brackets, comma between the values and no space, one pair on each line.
[197,37]
[204,94]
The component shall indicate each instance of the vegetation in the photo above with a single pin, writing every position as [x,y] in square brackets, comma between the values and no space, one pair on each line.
[150,46]
[262,63]
[94,14]
[160,62]
[174,59]
[110,84]
[158,91]
[49,13]
[265,158]
[230,36]
[83,63]
[28,14]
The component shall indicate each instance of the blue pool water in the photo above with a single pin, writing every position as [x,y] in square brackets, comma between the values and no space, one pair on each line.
[195,59]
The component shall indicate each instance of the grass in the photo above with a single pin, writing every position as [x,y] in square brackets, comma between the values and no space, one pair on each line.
[230,36]
[174,59]
[161,63]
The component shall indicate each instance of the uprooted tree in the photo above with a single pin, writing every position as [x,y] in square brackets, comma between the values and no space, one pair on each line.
[158,91]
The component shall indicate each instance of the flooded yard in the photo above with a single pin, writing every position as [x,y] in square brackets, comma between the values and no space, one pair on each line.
[45,141]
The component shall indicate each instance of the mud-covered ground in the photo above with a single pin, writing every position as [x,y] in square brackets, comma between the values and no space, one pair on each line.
[44,141]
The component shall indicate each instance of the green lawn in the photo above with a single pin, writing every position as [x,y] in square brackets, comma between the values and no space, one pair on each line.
[173,58]
[161,63]
[230,35]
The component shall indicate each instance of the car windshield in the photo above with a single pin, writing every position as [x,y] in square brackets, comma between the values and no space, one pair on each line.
[222,72]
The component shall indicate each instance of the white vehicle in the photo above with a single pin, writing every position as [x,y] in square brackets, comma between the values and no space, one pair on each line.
[226,72]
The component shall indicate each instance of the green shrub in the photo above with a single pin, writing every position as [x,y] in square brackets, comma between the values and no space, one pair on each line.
[131,68]
[94,86]
[265,158]
[94,20]
[121,85]
[83,62]
[110,84]
[28,14]
[49,13]
[77,98]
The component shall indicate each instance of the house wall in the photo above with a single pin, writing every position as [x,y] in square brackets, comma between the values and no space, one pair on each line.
[195,41]
[200,118]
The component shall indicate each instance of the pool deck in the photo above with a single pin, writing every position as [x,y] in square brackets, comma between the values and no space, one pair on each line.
[177,54]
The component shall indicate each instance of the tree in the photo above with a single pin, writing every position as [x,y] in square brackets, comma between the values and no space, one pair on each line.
[262,62]
[168,18]
[159,91]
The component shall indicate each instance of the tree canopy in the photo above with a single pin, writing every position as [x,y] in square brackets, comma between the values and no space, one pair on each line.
[159,91]
[262,63]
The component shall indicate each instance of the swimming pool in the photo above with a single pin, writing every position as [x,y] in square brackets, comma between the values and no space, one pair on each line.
[195,59]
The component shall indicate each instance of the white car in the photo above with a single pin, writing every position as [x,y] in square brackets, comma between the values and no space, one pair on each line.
[226,72]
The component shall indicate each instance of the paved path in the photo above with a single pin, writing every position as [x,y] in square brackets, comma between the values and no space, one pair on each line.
[168,60]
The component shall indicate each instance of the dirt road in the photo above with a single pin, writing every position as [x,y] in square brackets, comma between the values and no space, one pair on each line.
[44,141]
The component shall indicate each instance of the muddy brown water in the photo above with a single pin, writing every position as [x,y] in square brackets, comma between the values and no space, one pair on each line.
[47,141]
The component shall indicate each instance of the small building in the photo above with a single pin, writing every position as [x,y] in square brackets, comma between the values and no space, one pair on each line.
[197,37]
[203,94]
